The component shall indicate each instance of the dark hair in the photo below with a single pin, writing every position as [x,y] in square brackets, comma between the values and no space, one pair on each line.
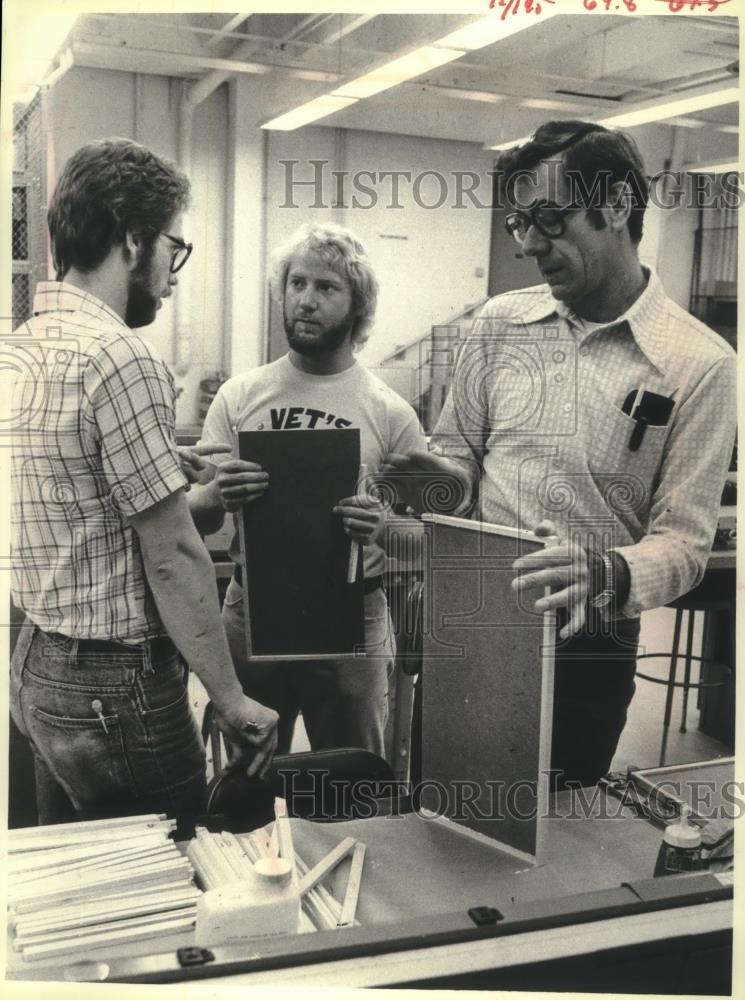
[105,189]
[591,155]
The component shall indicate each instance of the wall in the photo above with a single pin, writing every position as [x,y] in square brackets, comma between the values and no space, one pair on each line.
[426,259]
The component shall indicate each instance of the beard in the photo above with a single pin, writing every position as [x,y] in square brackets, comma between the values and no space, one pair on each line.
[321,340]
[142,302]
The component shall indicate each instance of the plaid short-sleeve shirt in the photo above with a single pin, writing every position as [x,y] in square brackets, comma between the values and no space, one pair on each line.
[93,443]
[540,415]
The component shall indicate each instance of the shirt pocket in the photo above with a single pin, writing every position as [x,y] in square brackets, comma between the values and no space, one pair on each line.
[627,479]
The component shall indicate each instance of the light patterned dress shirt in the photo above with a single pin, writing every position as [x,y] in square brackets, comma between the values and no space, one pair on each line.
[93,442]
[536,416]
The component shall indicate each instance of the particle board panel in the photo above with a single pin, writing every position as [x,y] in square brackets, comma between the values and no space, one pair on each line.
[487,685]
[297,600]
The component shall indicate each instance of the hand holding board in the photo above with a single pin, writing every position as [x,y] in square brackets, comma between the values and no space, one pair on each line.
[297,599]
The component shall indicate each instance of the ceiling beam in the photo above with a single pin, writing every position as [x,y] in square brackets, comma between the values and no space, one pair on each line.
[346,29]
[227,28]
[135,60]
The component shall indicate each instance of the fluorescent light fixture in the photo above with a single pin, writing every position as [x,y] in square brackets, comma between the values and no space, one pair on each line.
[38,39]
[684,122]
[483,96]
[509,144]
[547,104]
[397,71]
[321,106]
[724,167]
[655,111]
[486,31]
[476,35]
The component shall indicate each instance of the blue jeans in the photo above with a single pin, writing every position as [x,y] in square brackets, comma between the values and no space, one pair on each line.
[344,702]
[110,726]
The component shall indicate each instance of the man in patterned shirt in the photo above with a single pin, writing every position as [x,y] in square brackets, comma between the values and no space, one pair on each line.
[595,409]
[118,589]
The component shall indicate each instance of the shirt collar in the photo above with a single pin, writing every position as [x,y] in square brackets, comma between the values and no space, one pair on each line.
[646,318]
[57,296]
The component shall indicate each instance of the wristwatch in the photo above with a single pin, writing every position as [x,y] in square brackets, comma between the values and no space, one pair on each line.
[608,590]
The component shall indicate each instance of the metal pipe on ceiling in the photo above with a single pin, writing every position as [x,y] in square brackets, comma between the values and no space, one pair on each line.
[192,96]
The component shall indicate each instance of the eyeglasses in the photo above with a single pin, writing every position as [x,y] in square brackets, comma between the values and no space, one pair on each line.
[547,219]
[180,251]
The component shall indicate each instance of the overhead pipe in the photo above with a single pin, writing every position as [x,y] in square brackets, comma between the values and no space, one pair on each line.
[192,96]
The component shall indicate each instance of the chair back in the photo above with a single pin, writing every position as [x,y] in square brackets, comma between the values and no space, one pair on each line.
[323,786]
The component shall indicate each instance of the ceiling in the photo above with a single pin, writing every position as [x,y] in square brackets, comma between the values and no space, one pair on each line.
[568,66]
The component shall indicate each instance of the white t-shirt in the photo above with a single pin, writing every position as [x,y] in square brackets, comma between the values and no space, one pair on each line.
[278,396]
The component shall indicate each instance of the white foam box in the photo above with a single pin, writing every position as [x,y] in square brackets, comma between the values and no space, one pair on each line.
[247,909]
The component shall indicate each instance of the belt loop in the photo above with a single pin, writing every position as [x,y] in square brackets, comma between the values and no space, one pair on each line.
[73,660]
[147,659]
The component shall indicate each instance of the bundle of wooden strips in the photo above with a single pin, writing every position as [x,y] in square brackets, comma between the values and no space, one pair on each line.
[79,886]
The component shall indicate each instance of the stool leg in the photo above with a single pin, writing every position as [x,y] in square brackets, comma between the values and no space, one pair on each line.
[687,674]
[671,684]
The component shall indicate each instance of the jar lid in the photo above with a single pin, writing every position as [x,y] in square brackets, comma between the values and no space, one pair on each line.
[682,833]
[274,871]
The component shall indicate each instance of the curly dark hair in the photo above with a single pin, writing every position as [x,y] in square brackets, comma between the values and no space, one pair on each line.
[590,153]
[107,188]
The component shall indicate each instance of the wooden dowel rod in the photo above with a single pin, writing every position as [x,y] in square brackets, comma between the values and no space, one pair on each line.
[84,825]
[351,896]
[236,855]
[108,861]
[174,873]
[327,864]
[37,860]
[203,866]
[210,845]
[109,910]
[87,942]
[330,901]
[70,837]
[321,916]
[94,876]
[107,926]
[141,892]
[284,831]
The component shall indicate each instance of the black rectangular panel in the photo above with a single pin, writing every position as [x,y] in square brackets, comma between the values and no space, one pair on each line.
[297,554]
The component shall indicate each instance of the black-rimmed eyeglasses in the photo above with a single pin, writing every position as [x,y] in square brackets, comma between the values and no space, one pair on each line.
[549,220]
[180,251]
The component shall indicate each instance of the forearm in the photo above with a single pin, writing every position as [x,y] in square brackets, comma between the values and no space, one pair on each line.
[206,509]
[662,567]
[671,557]
[183,584]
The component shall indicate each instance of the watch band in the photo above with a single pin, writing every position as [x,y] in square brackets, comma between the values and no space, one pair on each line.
[608,591]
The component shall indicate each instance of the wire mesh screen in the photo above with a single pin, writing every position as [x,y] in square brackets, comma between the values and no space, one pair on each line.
[28,233]
[21,298]
[20,223]
[714,284]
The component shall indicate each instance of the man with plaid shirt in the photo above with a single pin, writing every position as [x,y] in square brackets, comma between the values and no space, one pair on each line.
[117,587]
